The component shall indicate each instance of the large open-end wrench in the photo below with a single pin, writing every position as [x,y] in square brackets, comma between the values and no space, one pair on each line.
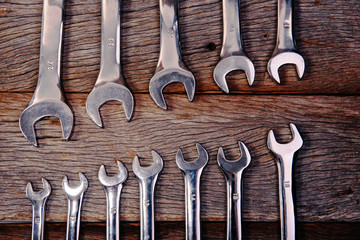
[48,98]
[233,173]
[38,200]
[170,67]
[74,197]
[147,177]
[285,51]
[110,84]
[192,172]
[284,155]
[233,56]
[113,187]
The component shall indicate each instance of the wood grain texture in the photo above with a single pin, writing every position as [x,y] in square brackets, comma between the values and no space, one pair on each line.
[326,170]
[326,33]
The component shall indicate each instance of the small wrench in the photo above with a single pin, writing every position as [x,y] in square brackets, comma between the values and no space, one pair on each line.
[285,51]
[48,98]
[74,197]
[192,172]
[233,173]
[110,84]
[233,56]
[284,155]
[147,177]
[113,187]
[38,200]
[170,67]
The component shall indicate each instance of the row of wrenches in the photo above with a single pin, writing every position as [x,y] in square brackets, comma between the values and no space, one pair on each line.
[49,99]
[147,177]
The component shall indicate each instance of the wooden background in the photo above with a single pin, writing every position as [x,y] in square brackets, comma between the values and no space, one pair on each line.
[324,105]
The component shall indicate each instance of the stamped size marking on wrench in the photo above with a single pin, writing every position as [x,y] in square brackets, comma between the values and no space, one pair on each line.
[113,187]
[233,173]
[74,197]
[110,84]
[147,177]
[192,173]
[285,51]
[284,155]
[233,56]
[170,67]
[48,98]
[38,200]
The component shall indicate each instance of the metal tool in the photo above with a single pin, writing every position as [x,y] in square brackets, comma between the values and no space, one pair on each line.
[170,67]
[38,200]
[233,173]
[48,98]
[233,56]
[284,155]
[110,84]
[113,187]
[192,172]
[74,197]
[285,51]
[147,177]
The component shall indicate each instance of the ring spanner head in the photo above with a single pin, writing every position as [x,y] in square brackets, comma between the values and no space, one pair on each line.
[200,162]
[280,149]
[146,172]
[75,192]
[231,63]
[166,76]
[119,178]
[34,112]
[37,196]
[237,165]
[107,92]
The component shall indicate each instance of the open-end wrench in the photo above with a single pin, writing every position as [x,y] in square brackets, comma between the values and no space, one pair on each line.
[113,187]
[48,98]
[192,173]
[233,56]
[110,84]
[74,197]
[284,155]
[170,67]
[285,51]
[38,200]
[233,173]
[147,177]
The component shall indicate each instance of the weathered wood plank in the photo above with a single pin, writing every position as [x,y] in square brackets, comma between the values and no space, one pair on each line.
[327,168]
[326,33]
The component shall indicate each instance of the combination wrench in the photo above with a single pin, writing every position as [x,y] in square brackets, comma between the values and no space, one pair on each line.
[147,177]
[192,172]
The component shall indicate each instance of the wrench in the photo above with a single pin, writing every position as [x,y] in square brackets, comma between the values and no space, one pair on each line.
[38,200]
[170,67]
[233,173]
[113,187]
[147,177]
[285,51]
[192,173]
[233,56]
[48,98]
[74,197]
[284,155]
[110,84]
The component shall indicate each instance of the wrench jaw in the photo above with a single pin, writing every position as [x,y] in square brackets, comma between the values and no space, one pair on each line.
[199,163]
[107,92]
[38,196]
[39,110]
[232,63]
[107,181]
[166,76]
[237,165]
[287,57]
[147,172]
[74,193]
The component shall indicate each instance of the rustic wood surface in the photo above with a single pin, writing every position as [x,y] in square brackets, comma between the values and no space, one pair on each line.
[324,105]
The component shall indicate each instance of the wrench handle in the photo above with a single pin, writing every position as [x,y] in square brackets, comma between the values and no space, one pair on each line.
[113,212]
[73,219]
[38,219]
[285,39]
[232,41]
